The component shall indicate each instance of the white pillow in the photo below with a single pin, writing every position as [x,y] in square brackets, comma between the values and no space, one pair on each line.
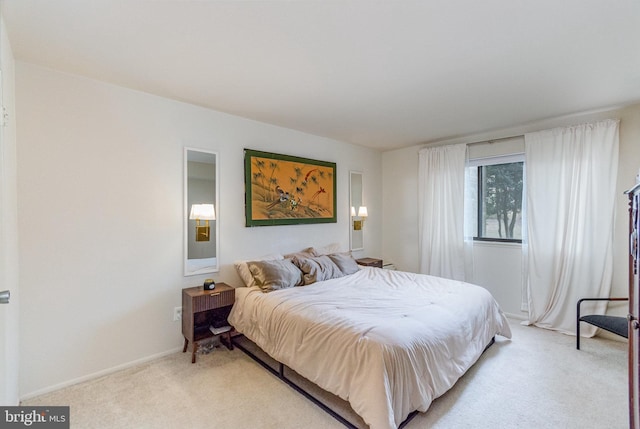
[326,250]
[242,267]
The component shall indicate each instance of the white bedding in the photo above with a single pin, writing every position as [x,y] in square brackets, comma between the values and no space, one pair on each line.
[389,342]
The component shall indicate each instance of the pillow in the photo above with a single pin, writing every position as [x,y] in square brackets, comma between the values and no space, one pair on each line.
[345,262]
[243,268]
[317,268]
[325,250]
[274,275]
[308,252]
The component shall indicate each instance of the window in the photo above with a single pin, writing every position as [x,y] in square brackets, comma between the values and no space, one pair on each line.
[495,185]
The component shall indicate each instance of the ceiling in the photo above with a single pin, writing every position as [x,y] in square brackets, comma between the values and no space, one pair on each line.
[383,74]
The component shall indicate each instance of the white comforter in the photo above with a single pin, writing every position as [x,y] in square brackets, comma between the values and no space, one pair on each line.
[389,342]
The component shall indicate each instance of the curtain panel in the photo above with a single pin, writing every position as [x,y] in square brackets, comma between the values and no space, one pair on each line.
[441,181]
[570,202]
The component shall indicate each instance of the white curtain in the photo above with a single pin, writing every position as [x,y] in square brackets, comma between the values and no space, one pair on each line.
[571,192]
[441,211]
[470,215]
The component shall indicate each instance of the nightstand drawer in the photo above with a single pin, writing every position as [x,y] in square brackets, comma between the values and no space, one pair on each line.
[213,299]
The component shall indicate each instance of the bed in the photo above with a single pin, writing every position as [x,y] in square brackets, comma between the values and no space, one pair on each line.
[389,342]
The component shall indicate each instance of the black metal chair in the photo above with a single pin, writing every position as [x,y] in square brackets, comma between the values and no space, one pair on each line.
[615,324]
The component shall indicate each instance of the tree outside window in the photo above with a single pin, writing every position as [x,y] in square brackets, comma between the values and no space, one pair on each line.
[500,208]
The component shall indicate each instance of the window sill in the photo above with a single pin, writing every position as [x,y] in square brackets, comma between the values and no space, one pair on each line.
[491,243]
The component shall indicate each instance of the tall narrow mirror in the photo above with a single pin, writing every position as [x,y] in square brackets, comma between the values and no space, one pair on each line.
[200,212]
[356,223]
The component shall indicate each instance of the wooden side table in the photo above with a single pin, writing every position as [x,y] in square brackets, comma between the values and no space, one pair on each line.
[370,262]
[203,308]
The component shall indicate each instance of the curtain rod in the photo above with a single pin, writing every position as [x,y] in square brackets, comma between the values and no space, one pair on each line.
[486,141]
[491,141]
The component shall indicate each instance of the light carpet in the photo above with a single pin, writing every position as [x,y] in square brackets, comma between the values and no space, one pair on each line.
[536,380]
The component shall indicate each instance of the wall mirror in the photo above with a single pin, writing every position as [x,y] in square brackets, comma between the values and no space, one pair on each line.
[201,232]
[356,223]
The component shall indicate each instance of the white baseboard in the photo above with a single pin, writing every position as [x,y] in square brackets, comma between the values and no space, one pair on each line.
[516,316]
[97,374]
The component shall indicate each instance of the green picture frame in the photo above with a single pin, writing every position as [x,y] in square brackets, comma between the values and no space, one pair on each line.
[288,190]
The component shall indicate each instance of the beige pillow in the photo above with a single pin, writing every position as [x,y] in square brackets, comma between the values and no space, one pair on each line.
[242,268]
[316,269]
[306,253]
[345,262]
[274,275]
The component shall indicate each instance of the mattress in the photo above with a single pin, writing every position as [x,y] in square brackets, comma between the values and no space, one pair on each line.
[389,342]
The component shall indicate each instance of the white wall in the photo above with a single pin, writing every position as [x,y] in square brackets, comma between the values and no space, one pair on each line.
[498,267]
[100,217]
[9,314]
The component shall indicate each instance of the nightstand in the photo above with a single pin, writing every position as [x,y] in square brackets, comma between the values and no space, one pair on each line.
[203,308]
[370,262]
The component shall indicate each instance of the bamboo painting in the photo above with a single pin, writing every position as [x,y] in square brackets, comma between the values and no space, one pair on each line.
[282,189]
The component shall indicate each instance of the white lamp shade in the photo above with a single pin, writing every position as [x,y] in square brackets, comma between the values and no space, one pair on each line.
[353,211]
[362,211]
[202,212]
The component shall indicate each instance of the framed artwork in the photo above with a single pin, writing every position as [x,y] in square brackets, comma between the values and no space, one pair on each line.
[286,190]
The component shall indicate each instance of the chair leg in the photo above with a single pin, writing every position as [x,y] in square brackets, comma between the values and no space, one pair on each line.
[578,324]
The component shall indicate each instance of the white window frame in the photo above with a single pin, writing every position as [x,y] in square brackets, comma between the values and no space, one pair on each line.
[482,162]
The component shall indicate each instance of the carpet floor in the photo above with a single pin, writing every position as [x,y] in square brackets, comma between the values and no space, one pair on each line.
[536,380]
